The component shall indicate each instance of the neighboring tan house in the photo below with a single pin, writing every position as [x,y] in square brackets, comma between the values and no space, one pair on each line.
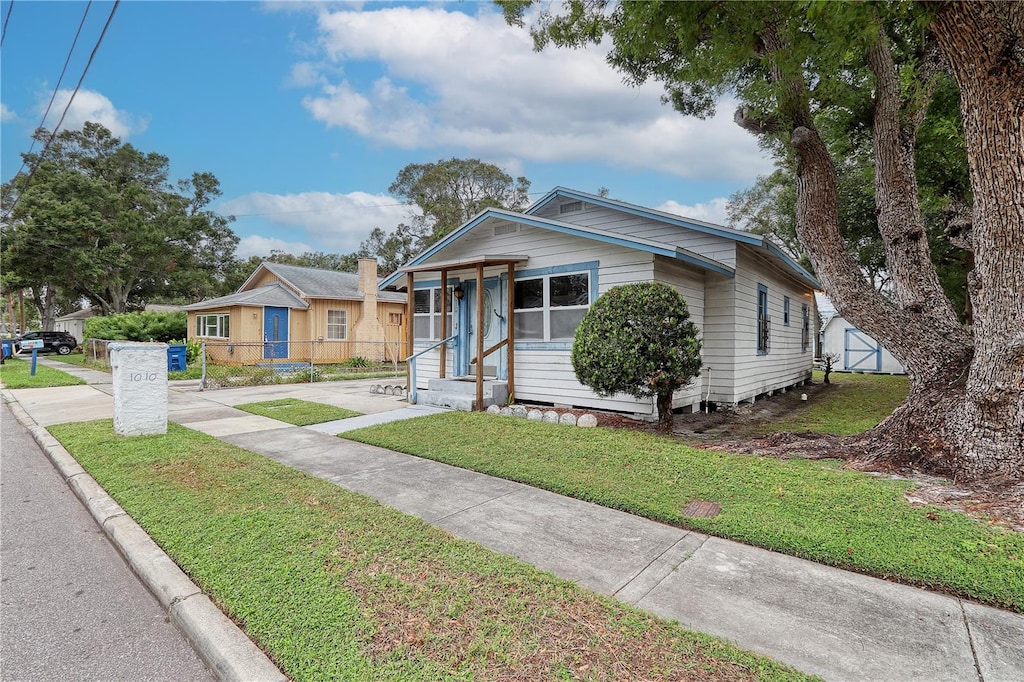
[296,313]
[537,273]
[857,352]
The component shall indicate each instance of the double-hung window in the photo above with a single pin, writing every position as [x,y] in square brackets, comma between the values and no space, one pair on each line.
[763,321]
[427,313]
[216,326]
[785,310]
[337,325]
[805,331]
[551,307]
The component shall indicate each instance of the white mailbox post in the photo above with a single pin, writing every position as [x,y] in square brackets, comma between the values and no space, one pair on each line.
[140,388]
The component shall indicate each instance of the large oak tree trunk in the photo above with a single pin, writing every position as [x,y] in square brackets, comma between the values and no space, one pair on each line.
[984,45]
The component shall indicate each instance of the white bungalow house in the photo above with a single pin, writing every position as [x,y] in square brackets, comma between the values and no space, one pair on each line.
[532,276]
[856,350]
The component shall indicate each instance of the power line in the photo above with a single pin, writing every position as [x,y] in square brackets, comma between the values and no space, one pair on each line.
[60,79]
[7,19]
[53,135]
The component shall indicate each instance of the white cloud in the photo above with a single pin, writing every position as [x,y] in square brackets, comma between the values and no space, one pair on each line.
[335,223]
[256,245]
[89,105]
[7,114]
[712,211]
[451,79]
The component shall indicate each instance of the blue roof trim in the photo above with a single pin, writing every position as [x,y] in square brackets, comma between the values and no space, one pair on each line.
[643,212]
[564,228]
[679,221]
[794,266]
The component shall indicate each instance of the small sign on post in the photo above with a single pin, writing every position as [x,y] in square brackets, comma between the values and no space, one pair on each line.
[140,388]
[34,345]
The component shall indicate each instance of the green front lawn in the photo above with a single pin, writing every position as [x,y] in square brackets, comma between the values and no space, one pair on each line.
[297,412]
[852,403]
[334,586]
[72,359]
[811,509]
[16,373]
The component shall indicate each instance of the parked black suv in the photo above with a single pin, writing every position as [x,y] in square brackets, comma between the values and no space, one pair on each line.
[61,343]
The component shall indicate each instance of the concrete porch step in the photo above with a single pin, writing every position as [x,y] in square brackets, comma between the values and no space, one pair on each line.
[460,393]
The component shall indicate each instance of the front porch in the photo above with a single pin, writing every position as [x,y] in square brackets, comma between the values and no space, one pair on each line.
[468,322]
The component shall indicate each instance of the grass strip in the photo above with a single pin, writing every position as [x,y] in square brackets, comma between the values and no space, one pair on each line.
[16,373]
[810,509]
[71,359]
[851,404]
[298,412]
[333,585]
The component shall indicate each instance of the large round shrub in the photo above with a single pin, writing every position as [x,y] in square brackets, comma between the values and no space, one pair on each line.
[638,339]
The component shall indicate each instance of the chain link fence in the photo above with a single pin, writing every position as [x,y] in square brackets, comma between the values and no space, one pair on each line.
[220,364]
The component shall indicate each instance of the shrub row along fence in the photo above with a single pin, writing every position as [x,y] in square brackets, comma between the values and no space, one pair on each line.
[222,364]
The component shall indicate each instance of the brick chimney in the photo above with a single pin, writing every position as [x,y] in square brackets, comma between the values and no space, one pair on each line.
[368,328]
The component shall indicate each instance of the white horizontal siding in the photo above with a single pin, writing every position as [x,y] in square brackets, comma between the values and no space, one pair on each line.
[428,364]
[721,249]
[548,377]
[784,364]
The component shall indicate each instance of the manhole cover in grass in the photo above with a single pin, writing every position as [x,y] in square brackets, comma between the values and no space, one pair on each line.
[702,509]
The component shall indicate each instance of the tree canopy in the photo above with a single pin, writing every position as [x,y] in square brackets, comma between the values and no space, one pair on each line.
[97,219]
[871,71]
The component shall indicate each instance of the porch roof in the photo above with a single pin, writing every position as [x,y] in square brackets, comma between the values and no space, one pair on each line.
[274,295]
[465,263]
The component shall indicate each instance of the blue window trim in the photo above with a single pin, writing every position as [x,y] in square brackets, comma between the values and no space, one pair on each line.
[785,310]
[805,341]
[762,314]
[591,267]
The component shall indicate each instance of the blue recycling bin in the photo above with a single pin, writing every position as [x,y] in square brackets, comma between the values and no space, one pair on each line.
[7,348]
[176,357]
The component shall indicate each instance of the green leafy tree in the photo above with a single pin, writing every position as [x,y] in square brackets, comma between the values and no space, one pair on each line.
[638,339]
[101,218]
[138,326]
[799,68]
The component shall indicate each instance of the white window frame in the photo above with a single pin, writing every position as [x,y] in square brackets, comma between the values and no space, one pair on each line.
[546,308]
[434,315]
[343,324]
[219,328]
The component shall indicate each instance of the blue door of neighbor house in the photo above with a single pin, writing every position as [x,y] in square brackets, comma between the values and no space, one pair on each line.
[493,326]
[275,333]
[862,352]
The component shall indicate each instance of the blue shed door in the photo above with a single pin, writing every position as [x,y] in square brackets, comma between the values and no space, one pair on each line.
[275,333]
[862,352]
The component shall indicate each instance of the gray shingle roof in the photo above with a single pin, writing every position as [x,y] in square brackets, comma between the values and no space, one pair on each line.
[275,295]
[326,283]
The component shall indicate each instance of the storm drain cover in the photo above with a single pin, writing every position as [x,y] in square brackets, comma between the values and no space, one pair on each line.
[702,509]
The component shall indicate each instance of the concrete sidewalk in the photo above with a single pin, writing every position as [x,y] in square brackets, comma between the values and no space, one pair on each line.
[837,624]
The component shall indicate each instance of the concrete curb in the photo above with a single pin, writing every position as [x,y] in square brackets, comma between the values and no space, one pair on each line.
[225,649]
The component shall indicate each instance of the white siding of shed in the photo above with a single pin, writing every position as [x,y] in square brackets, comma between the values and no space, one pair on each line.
[835,342]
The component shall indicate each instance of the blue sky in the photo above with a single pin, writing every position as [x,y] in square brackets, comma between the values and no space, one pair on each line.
[307,111]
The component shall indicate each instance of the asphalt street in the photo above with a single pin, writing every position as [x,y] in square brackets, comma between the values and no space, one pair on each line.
[70,608]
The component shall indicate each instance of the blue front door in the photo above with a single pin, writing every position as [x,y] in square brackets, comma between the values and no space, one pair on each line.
[494,327]
[275,333]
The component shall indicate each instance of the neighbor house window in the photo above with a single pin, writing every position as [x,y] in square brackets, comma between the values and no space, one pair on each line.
[427,313]
[785,310]
[550,308]
[395,318]
[216,326]
[763,321]
[337,325]
[805,331]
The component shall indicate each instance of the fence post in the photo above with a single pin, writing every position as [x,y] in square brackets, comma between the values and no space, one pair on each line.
[312,348]
[202,378]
